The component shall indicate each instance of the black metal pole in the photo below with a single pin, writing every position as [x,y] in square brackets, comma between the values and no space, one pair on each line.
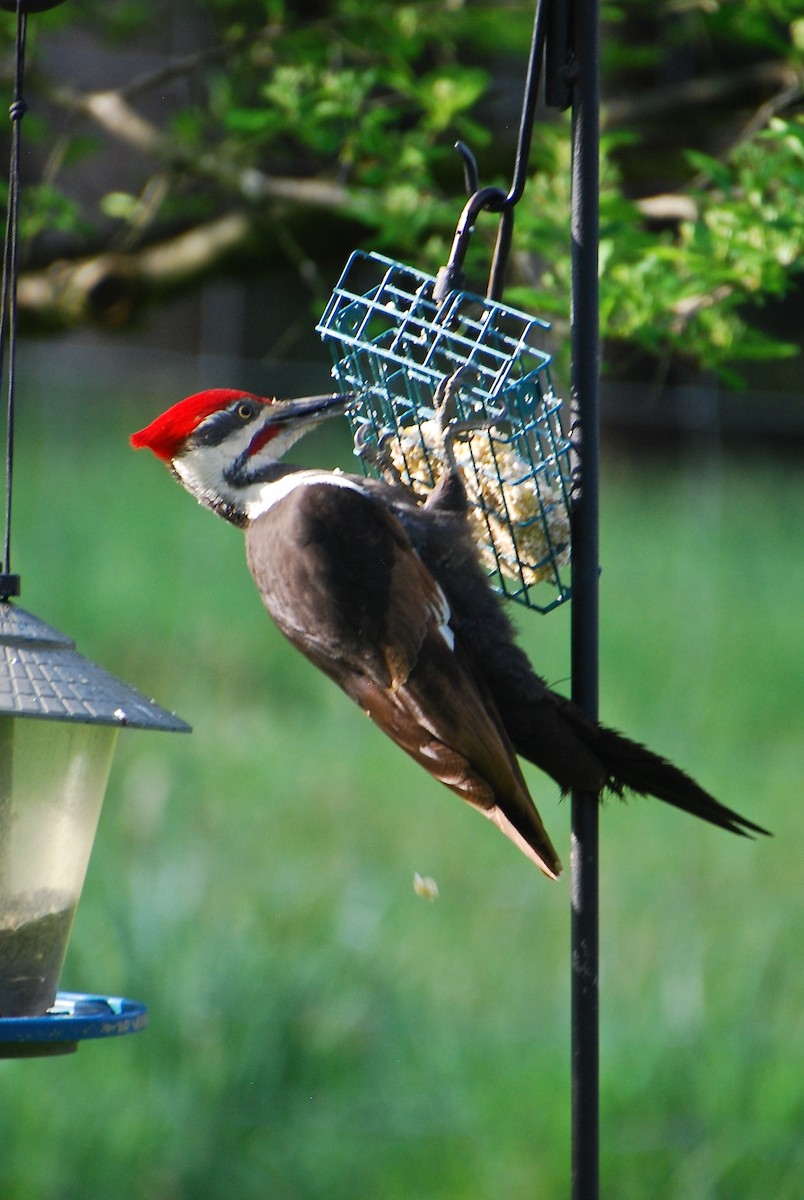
[585,370]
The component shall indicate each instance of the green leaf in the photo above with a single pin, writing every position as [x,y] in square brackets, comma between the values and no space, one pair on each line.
[122,206]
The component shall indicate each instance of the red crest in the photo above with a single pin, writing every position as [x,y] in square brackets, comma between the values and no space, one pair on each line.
[166,434]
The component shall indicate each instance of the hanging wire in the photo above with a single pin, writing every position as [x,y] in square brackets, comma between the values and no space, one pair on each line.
[496,199]
[10,583]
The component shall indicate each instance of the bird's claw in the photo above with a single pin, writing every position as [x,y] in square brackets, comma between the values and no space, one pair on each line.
[363,446]
[450,428]
[575,439]
[374,451]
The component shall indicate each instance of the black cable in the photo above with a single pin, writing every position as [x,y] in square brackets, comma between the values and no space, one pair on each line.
[496,199]
[9,583]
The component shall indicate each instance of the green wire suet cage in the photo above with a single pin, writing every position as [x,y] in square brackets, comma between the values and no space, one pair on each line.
[393,343]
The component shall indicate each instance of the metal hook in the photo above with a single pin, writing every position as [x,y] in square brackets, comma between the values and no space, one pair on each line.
[449,276]
[494,199]
[502,250]
[471,175]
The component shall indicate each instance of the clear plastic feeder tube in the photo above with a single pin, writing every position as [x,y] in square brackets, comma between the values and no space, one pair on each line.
[53,777]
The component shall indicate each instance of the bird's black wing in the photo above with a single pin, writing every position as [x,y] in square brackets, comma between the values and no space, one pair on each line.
[338,574]
[543,726]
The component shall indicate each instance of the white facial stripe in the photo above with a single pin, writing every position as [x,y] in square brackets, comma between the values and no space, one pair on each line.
[233,444]
[203,468]
[203,471]
[269,494]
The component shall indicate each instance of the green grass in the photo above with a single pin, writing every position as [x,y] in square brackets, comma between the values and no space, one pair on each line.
[318,1031]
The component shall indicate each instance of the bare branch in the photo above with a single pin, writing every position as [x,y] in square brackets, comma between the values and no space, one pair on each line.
[718,88]
[668,206]
[759,121]
[112,112]
[111,288]
[177,68]
[116,116]
[687,307]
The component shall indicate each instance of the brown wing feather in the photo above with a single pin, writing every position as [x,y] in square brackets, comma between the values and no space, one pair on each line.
[368,613]
[459,741]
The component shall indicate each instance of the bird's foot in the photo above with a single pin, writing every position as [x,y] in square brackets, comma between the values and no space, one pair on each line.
[373,449]
[575,444]
[449,426]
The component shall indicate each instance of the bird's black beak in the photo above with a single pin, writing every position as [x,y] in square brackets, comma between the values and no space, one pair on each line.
[311,407]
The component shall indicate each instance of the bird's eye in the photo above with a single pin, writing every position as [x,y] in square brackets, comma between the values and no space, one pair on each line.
[245,411]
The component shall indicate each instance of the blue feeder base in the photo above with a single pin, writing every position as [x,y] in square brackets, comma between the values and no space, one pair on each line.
[73,1018]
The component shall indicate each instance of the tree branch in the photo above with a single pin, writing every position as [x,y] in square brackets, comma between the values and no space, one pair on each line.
[718,88]
[668,208]
[110,289]
[177,68]
[112,112]
[759,121]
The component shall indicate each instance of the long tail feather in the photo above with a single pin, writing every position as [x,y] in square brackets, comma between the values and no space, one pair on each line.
[640,770]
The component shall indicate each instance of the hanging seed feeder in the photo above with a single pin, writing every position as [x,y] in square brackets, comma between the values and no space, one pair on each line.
[397,334]
[60,716]
[393,341]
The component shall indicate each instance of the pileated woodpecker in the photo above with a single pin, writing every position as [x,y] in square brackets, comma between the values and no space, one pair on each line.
[386,596]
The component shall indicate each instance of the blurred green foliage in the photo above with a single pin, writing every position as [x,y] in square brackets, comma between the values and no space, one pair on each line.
[681,292]
[318,1030]
[370,97]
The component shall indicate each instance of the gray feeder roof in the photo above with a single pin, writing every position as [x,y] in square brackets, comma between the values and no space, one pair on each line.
[43,675]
